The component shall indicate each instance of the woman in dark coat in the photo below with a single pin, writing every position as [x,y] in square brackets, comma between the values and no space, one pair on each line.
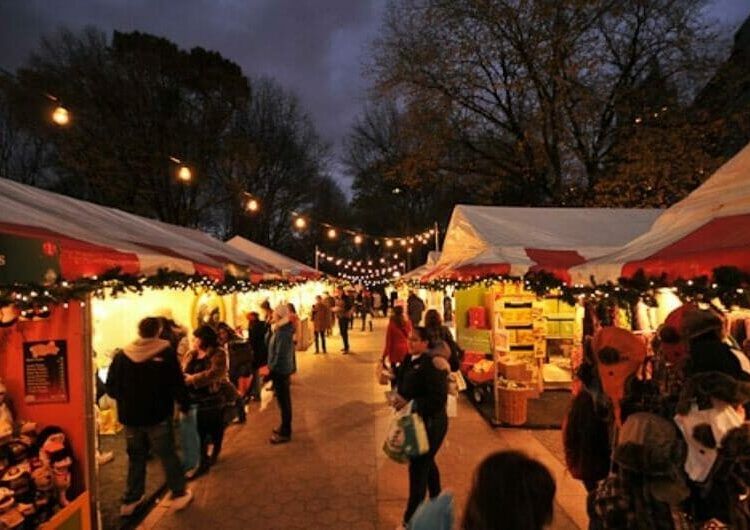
[420,380]
[205,368]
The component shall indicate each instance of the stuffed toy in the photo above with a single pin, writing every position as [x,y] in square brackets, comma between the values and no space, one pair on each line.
[10,515]
[7,425]
[619,354]
[44,492]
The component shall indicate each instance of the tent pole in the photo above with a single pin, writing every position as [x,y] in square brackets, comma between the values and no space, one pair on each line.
[316,257]
[437,237]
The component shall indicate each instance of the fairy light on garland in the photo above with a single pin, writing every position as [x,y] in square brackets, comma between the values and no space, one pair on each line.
[730,285]
[34,300]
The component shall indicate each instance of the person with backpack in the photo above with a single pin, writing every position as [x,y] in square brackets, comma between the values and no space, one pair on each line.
[145,379]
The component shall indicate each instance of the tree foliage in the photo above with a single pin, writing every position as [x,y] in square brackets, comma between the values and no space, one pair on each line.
[137,101]
[539,95]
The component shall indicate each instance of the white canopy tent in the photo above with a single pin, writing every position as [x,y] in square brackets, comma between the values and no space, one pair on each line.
[707,229]
[493,240]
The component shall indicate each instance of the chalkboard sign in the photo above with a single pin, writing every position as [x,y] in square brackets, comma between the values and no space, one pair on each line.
[45,371]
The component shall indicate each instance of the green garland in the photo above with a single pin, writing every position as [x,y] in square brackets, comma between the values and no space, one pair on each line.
[728,284]
[36,299]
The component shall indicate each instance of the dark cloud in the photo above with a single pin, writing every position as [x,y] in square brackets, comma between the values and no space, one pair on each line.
[312,47]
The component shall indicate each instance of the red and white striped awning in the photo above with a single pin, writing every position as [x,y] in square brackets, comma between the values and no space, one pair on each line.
[488,240]
[708,229]
[89,239]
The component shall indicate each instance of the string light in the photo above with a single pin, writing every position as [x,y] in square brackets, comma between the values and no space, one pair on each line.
[358,239]
[332,234]
[300,223]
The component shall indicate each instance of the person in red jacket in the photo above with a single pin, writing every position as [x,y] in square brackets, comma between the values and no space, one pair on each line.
[396,339]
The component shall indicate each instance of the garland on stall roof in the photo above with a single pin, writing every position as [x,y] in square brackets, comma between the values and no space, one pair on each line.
[37,298]
[730,285]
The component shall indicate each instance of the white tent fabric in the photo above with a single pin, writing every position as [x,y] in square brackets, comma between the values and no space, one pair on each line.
[510,239]
[285,264]
[92,237]
[433,257]
[707,229]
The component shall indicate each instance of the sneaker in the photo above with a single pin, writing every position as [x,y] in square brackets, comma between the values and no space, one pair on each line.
[127,509]
[279,439]
[181,502]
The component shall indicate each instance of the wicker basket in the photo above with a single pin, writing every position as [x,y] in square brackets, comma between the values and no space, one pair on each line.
[512,405]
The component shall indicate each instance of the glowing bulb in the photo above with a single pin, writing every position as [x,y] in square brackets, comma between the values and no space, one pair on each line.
[300,223]
[184,174]
[252,205]
[61,116]
[358,239]
[332,233]
[388,243]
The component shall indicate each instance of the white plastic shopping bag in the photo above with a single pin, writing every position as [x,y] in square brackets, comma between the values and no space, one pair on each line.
[451,406]
[266,396]
[407,436]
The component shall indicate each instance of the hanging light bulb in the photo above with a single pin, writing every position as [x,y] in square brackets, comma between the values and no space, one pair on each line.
[300,223]
[388,243]
[332,233]
[61,116]
[252,205]
[184,174]
[358,239]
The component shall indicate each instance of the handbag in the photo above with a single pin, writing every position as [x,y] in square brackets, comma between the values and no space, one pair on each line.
[407,436]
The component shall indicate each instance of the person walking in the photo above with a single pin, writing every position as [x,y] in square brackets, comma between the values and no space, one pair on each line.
[438,332]
[414,308]
[394,298]
[344,312]
[321,315]
[256,332]
[205,370]
[366,309]
[377,299]
[145,380]
[282,364]
[422,382]
[240,355]
[396,340]
[330,301]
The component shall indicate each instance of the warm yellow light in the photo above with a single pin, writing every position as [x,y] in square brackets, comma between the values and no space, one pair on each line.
[388,243]
[402,242]
[300,223]
[61,116]
[332,233]
[184,174]
[253,205]
[358,239]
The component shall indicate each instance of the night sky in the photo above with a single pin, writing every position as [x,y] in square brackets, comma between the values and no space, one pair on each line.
[313,47]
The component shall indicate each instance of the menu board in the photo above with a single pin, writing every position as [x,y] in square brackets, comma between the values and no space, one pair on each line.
[45,371]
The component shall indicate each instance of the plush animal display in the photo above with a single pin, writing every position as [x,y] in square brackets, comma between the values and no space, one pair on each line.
[619,354]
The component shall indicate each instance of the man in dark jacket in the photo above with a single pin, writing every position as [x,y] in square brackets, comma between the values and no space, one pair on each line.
[414,308]
[256,332]
[145,379]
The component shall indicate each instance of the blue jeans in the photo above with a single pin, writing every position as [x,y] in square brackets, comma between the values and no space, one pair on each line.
[160,438]
[189,439]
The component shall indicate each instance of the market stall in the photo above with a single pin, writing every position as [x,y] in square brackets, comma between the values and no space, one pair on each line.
[519,338]
[305,283]
[75,278]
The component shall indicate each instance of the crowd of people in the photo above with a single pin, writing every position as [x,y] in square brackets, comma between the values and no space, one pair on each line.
[205,378]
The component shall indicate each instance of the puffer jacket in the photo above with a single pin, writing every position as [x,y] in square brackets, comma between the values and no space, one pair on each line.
[281,358]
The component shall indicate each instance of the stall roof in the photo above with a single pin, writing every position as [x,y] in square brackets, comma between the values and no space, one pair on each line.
[433,257]
[707,229]
[490,240]
[285,264]
[89,239]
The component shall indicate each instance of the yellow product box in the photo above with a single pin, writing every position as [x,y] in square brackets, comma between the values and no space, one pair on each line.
[567,328]
[525,336]
[553,327]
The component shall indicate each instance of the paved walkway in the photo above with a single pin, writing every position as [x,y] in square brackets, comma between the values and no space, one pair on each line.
[334,475]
